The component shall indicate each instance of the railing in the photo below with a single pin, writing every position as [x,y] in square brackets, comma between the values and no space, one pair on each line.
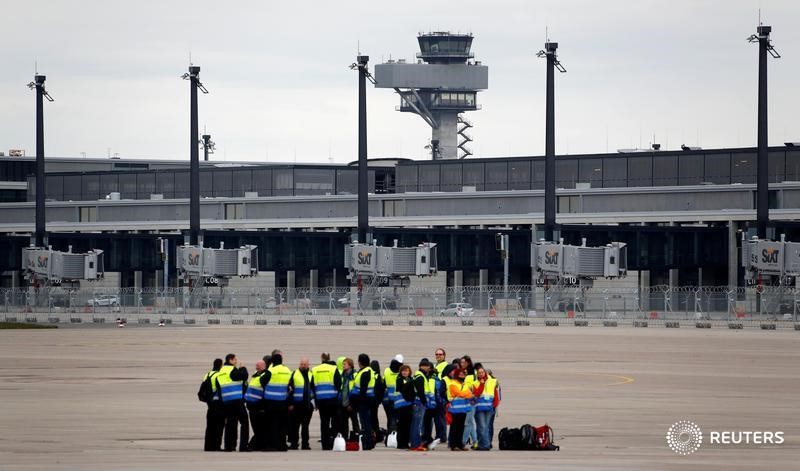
[660,305]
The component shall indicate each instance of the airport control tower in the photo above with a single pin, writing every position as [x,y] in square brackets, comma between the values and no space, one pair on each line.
[439,88]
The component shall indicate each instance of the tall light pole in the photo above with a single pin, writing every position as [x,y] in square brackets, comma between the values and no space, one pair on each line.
[41,93]
[194,154]
[549,52]
[762,171]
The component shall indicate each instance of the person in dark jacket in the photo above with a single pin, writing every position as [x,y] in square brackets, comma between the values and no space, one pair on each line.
[300,408]
[390,380]
[254,399]
[380,392]
[215,416]
[403,405]
[235,412]
[420,406]
[363,396]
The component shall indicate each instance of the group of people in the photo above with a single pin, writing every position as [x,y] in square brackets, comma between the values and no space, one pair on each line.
[278,403]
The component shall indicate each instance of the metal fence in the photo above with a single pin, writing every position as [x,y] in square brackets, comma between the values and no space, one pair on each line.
[477,305]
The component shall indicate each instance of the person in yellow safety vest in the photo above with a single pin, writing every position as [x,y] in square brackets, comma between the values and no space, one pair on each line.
[276,401]
[440,413]
[231,379]
[215,417]
[487,394]
[470,431]
[420,380]
[326,382]
[254,397]
[460,397]
[432,382]
[362,396]
[390,378]
[301,407]
[441,361]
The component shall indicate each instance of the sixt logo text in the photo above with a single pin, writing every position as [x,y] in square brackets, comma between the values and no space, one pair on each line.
[364,258]
[41,262]
[194,258]
[770,255]
[551,256]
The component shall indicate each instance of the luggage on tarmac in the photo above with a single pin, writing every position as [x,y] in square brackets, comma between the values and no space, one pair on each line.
[339,443]
[527,437]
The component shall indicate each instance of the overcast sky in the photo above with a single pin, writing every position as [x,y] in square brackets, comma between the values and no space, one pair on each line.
[281,89]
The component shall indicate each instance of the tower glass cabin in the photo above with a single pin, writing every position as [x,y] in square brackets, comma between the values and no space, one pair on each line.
[442,85]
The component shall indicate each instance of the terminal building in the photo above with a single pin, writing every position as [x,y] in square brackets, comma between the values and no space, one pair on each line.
[682,213]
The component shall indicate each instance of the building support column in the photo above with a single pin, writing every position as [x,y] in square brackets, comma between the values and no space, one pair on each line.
[733,257]
[458,279]
[673,278]
[290,285]
[313,279]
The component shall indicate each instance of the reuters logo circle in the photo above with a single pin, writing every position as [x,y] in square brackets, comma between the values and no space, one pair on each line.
[684,437]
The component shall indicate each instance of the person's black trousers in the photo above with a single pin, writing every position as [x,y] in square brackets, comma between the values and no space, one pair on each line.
[457,431]
[277,416]
[403,418]
[328,424]
[258,420]
[244,428]
[365,420]
[233,412]
[215,424]
[427,425]
[299,418]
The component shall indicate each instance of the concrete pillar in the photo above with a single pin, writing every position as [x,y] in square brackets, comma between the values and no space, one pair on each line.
[333,283]
[733,257]
[313,279]
[458,279]
[14,279]
[290,282]
[699,277]
[673,278]
[137,279]
[483,277]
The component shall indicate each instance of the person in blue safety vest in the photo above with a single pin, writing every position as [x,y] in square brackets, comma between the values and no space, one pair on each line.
[254,398]
[301,406]
[231,378]
[390,380]
[326,382]
[421,399]
[276,400]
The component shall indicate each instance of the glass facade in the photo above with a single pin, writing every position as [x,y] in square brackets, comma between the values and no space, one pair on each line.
[499,174]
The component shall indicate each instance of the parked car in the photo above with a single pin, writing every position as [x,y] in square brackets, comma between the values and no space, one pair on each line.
[104,300]
[458,310]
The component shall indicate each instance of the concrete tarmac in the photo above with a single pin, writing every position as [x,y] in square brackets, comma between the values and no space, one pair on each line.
[109,398]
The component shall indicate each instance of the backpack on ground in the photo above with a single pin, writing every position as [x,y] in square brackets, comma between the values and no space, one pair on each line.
[510,439]
[538,438]
[527,437]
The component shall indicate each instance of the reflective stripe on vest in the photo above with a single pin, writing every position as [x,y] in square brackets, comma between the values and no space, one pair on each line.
[255,391]
[486,400]
[299,384]
[323,381]
[278,387]
[229,389]
[399,400]
[355,388]
[458,405]
[391,384]
[212,375]
[430,392]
